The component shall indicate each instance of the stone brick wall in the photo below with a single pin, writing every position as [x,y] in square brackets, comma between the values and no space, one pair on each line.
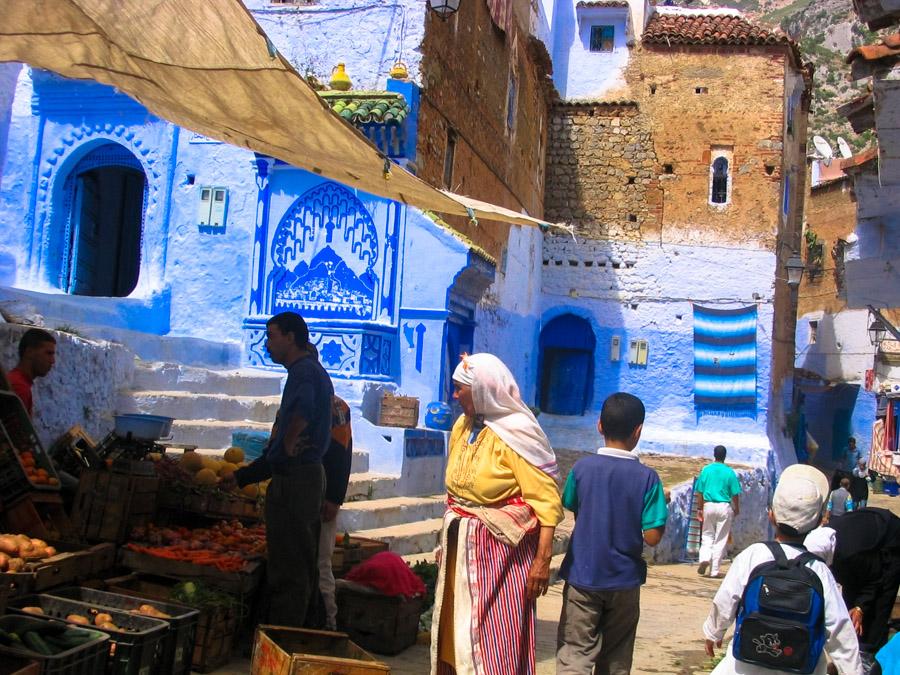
[601,171]
[466,66]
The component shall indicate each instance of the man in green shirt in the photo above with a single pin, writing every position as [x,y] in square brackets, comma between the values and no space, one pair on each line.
[718,499]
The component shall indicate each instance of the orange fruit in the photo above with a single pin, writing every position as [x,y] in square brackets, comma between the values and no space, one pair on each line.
[43,473]
[39,480]
[52,480]
[28,461]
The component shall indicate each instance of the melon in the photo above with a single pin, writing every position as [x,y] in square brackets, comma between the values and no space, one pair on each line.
[211,463]
[206,477]
[191,461]
[227,469]
[251,491]
[234,455]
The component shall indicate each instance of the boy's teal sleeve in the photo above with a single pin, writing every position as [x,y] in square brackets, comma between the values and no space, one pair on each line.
[655,510]
[570,493]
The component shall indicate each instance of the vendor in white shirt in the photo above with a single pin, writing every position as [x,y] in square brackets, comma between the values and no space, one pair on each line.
[797,508]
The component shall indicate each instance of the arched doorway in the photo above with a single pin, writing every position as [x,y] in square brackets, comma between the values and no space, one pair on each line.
[103,208]
[567,365]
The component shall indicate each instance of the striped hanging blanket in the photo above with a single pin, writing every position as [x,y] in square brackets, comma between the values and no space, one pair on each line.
[725,359]
[492,623]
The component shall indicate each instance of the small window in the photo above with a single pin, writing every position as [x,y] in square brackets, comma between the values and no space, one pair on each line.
[719,193]
[701,90]
[602,38]
[511,93]
[449,155]
[813,332]
[668,169]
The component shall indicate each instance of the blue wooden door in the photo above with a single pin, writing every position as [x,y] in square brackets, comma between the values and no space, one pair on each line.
[565,381]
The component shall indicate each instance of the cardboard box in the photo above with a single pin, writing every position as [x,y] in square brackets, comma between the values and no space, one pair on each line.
[278,650]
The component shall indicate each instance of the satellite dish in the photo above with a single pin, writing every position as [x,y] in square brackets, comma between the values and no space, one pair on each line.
[844,148]
[823,149]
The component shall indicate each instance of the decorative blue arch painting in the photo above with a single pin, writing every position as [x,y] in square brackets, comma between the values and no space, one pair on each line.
[725,359]
[324,252]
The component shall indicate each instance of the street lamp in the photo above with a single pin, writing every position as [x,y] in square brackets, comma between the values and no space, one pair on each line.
[877,329]
[795,268]
[444,8]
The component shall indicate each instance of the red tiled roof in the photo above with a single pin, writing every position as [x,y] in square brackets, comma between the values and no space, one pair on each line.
[889,46]
[863,157]
[701,28]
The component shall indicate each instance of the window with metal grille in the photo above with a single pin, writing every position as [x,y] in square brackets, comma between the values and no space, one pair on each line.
[719,181]
[602,38]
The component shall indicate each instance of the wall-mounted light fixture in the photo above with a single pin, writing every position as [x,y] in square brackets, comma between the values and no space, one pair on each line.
[877,329]
[444,8]
[795,269]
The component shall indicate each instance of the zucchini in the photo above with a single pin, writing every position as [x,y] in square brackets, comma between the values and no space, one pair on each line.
[5,638]
[36,643]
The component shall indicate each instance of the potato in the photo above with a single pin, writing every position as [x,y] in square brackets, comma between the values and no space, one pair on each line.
[4,562]
[38,543]
[15,565]
[33,610]
[9,545]
[77,618]
[49,552]
[108,625]
[101,618]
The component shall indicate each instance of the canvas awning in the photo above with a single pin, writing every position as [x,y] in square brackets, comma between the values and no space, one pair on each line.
[208,67]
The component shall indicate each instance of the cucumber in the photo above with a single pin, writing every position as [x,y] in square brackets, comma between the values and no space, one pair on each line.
[74,637]
[37,644]
[5,638]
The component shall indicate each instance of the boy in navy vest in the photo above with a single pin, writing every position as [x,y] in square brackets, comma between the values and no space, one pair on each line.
[619,504]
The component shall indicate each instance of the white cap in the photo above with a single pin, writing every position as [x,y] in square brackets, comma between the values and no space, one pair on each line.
[800,497]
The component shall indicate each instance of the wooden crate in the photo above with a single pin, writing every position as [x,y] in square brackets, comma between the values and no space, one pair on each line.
[109,504]
[241,583]
[278,650]
[384,624]
[360,549]
[41,515]
[398,411]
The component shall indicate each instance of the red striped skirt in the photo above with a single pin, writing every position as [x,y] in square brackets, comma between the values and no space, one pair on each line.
[493,623]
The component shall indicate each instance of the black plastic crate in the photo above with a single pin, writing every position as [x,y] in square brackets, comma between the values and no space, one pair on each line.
[134,648]
[86,659]
[18,436]
[178,643]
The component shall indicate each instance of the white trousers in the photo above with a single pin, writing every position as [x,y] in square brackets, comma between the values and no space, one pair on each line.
[326,574]
[717,517]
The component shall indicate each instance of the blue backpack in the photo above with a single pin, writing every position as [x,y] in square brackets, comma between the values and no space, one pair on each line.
[781,617]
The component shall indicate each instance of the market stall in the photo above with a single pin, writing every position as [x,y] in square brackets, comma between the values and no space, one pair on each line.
[149,566]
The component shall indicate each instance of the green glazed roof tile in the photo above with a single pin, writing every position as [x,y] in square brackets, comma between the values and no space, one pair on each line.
[368,107]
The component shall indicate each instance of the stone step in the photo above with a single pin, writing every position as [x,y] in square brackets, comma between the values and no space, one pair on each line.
[212,433]
[367,515]
[161,376]
[184,405]
[407,538]
[368,486]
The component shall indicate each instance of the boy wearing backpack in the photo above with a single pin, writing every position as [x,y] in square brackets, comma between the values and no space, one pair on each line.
[787,605]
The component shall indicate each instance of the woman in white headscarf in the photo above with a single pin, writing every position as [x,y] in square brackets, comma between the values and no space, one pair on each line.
[497,539]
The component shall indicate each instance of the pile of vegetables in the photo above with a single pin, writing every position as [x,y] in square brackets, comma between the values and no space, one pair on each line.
[200,596]
[195,470]
[17,550]
[227,545]
[46,638]
[36,474]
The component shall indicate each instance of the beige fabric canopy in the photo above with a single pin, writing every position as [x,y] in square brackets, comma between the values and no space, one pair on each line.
[208,67]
